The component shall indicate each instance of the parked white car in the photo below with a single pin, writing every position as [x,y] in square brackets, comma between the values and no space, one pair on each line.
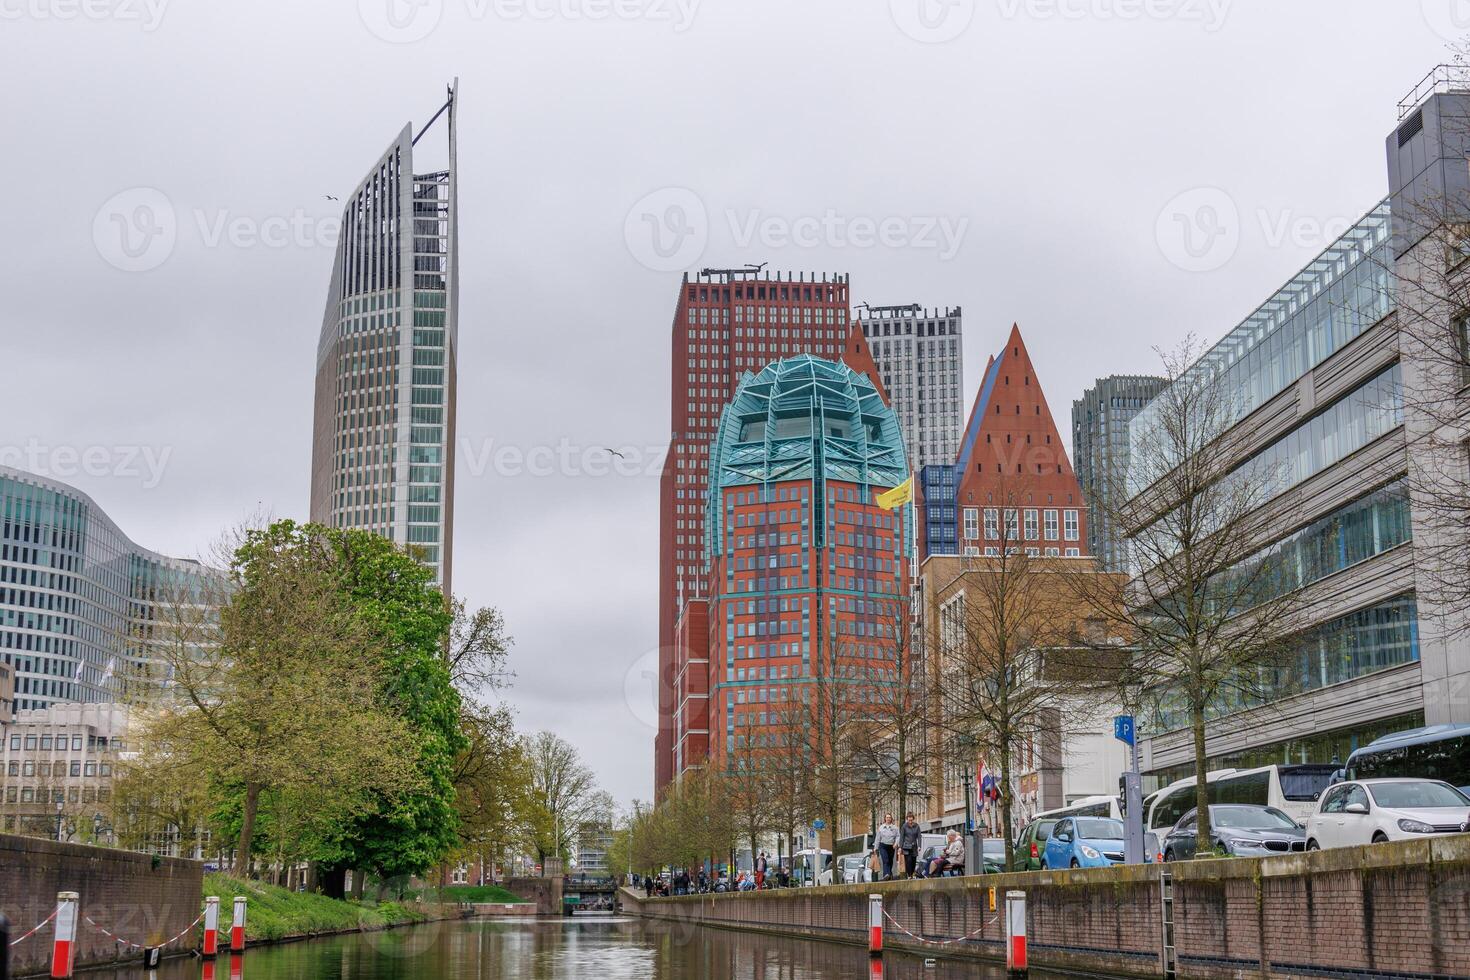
[853,869]
[1371,810]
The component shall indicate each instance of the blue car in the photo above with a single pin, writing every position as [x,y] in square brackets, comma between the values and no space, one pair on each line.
[1084,842]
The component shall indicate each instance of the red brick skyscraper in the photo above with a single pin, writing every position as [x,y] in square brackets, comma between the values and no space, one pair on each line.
[725,324]
[808,574]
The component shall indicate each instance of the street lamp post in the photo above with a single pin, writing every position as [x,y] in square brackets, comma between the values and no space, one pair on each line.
[872,778]
[59,807]
[966,744]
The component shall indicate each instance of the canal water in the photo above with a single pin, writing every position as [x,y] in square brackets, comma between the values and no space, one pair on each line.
[581,948]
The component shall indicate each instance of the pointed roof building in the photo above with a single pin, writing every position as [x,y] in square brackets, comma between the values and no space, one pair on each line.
[858,356]
[1012,457]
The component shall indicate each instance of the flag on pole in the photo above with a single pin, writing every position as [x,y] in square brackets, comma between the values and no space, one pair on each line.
[898,496]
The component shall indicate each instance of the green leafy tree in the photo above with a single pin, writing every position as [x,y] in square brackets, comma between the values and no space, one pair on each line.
[411,832]
[492,785]
[274,682]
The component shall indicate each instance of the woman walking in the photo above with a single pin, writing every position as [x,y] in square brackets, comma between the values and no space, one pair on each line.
[887,838]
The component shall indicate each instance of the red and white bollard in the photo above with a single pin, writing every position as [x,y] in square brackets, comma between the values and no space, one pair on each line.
[875,925]
[1016,933]
[237,926]
[64,947]
[211,925]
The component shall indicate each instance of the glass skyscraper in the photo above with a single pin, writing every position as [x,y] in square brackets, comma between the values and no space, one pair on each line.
[383,439]
[1100,448]
[79,601]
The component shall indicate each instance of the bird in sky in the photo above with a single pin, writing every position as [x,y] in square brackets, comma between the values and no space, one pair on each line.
[614,452]
[329,197]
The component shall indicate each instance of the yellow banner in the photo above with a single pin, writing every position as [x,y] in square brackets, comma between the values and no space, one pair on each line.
[898,496]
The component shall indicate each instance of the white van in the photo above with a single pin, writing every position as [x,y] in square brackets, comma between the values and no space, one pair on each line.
[1292,789]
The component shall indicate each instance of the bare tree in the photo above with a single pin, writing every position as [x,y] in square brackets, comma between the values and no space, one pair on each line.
[889,736]
[1211,615]
[1010,670]
[744,789]
[563,791]
[478,650]
[827,718]
[786,771]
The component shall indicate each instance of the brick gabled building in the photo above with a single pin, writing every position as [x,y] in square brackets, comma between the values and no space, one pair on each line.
[1013,465]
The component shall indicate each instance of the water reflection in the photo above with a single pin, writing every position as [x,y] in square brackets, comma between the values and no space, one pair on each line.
[556,949]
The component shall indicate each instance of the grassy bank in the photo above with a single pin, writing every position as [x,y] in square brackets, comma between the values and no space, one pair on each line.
[491,894]
[275,913]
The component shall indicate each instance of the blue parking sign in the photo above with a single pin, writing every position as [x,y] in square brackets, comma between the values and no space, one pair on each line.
[1123,729]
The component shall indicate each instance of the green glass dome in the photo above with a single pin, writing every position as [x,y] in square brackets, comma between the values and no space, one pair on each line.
[803,418]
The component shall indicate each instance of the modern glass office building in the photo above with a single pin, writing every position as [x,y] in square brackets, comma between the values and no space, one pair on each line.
[1319,381]
[383,438]
[78,600]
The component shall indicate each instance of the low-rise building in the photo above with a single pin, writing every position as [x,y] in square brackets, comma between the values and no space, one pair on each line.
[1062,748]
[56,770]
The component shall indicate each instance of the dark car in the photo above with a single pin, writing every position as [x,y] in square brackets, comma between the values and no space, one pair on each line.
[1239,830]
[1027,856]
[926,856]
[992,855]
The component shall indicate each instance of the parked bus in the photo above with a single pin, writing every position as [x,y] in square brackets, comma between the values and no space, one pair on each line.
[1437,752]
[1088,806]
[1292,789]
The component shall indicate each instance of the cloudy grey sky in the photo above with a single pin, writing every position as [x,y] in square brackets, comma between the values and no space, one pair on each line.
[1038,161]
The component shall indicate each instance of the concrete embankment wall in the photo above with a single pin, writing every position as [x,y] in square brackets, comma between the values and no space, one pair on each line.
[136,896]
[1392,910]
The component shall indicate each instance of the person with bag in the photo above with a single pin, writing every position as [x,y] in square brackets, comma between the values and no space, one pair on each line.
[887,838]
[909,838]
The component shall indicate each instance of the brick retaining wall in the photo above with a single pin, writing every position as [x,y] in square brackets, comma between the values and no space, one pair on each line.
[545,893]
[1386,911]
[137,896]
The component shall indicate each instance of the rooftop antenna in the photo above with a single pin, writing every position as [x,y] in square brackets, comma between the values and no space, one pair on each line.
[448,101]
[751,269]
[909,308]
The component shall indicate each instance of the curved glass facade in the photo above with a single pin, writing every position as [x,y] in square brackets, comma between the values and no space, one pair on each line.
[78,599]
